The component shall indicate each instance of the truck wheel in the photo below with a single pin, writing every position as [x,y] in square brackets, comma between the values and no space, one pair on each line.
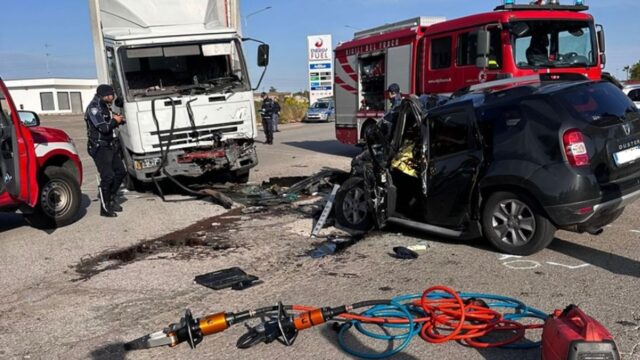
[351,206]
[133,184]
[515,225]
[59,199]
[240,177]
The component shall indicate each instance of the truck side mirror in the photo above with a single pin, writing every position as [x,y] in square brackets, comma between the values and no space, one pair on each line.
[483,48]
[29,118]
[263,55]
[601,44]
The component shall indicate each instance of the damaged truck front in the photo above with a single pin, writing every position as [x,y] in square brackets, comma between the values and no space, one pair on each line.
[179,70]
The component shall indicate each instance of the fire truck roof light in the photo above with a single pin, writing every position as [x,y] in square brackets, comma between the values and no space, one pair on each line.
[579,2]
[509,2]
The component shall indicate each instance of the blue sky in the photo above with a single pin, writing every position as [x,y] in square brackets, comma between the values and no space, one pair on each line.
[30,29]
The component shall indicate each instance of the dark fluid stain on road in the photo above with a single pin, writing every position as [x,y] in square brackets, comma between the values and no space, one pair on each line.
[333,246]
[206,234]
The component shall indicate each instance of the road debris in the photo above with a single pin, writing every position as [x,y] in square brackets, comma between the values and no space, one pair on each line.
[234,278]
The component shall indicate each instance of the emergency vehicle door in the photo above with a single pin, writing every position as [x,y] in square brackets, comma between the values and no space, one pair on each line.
[398,63]
[453,164]
[17,155]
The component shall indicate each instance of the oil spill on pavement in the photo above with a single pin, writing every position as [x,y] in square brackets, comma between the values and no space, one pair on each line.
[208,235]
[212,235]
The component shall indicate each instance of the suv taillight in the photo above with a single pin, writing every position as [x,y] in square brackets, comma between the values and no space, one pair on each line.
[575,148]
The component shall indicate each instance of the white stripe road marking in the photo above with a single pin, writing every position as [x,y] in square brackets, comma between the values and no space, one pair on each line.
[505,257]
[568,266]
[43,148]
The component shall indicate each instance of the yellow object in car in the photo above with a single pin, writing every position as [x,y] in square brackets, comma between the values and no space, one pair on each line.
[403,161]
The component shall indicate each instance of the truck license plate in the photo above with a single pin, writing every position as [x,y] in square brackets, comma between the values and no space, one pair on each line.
[627,156]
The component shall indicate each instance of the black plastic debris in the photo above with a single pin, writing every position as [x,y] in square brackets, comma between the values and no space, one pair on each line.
[332,246]
[234,278]
[402,252]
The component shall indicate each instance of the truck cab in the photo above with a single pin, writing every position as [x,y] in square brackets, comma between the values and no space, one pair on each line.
[40,170]
[180,71]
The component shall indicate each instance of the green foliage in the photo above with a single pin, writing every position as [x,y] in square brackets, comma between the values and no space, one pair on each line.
[291,110]
[272,89]
[634,71]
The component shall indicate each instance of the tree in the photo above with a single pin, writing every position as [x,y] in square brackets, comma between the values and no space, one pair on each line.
[272,89]
[634,72]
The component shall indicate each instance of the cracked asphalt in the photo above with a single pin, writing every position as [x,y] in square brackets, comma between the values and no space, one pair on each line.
[46,312]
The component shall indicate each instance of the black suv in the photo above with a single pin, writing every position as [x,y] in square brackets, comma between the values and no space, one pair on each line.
[513,162]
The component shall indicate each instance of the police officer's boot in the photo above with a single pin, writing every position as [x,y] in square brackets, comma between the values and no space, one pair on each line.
[115,206]
[105,204]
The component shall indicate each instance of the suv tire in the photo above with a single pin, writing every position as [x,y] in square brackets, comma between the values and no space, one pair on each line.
[515,225]
[351,207]
[58,201]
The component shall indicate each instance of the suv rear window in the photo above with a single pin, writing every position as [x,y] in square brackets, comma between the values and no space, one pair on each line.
[600,104]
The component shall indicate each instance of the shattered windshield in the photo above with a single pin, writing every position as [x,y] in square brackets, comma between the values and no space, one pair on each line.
[555,44]
[184,69]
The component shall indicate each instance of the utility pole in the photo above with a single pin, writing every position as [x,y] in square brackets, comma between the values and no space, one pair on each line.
[627,69]
[46,57]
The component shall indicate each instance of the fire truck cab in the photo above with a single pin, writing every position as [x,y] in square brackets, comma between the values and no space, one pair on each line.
[430,55]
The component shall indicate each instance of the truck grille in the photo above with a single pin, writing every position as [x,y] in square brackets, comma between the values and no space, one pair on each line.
[188,135]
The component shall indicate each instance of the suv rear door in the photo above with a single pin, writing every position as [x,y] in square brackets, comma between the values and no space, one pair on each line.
[454,161]
[612,123]
[17,155]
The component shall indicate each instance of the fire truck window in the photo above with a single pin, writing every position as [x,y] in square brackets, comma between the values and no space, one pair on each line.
[449,134]
[372,73]
[467,46]
[441,53]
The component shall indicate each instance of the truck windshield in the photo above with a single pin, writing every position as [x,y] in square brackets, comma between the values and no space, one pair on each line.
[183,69]
[320,105]
[599,104]
[555,44]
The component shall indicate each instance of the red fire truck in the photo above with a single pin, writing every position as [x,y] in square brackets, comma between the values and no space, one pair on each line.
[435,56]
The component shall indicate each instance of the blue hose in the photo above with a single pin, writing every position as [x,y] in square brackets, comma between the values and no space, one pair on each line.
[400,307]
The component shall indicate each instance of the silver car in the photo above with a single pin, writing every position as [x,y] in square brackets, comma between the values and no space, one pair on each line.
[633,92]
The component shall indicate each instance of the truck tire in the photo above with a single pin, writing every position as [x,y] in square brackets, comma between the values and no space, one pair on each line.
[514,224]
[133,184]
[351,206]
[59,199]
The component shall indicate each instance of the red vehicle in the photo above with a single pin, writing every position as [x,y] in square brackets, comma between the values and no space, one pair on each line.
[434,56]
[40,171]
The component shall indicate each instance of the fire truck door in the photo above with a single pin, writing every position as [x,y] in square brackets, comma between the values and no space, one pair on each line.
[399,64]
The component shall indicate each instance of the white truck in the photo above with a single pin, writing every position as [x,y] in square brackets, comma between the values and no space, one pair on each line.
[179,70]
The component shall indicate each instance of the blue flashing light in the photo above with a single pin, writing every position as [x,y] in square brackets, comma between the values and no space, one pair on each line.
[579,2]
[509,2]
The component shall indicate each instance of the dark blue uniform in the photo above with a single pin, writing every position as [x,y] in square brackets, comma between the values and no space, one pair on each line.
[102,146]
[267,111]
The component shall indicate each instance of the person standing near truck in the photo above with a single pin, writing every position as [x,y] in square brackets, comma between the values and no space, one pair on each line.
[276,115]
[267,111]
[101,146]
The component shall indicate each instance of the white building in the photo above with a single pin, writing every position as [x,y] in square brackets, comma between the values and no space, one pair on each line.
[52,96]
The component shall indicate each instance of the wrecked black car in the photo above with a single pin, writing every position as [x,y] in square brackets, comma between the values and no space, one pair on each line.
[510,163]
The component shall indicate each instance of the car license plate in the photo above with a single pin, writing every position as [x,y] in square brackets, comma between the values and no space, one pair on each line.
[627,156]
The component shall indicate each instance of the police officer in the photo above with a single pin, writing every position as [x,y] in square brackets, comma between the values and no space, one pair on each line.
[266,111]
[102,147]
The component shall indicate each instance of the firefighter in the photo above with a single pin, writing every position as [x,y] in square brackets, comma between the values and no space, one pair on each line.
[266,111]
[394,96]
[102,148]
[388,121]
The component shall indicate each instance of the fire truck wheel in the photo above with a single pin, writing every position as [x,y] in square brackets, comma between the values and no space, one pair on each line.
[59,199]
[351,207]
[514,224]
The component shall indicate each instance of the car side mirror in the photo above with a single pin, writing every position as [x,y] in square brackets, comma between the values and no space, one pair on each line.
[29,118]
[263,55]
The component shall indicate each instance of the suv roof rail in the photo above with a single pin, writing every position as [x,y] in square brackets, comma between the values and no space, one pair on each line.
[530,78]
[404,24]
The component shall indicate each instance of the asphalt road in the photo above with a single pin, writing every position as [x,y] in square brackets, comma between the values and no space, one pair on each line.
[51,307]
